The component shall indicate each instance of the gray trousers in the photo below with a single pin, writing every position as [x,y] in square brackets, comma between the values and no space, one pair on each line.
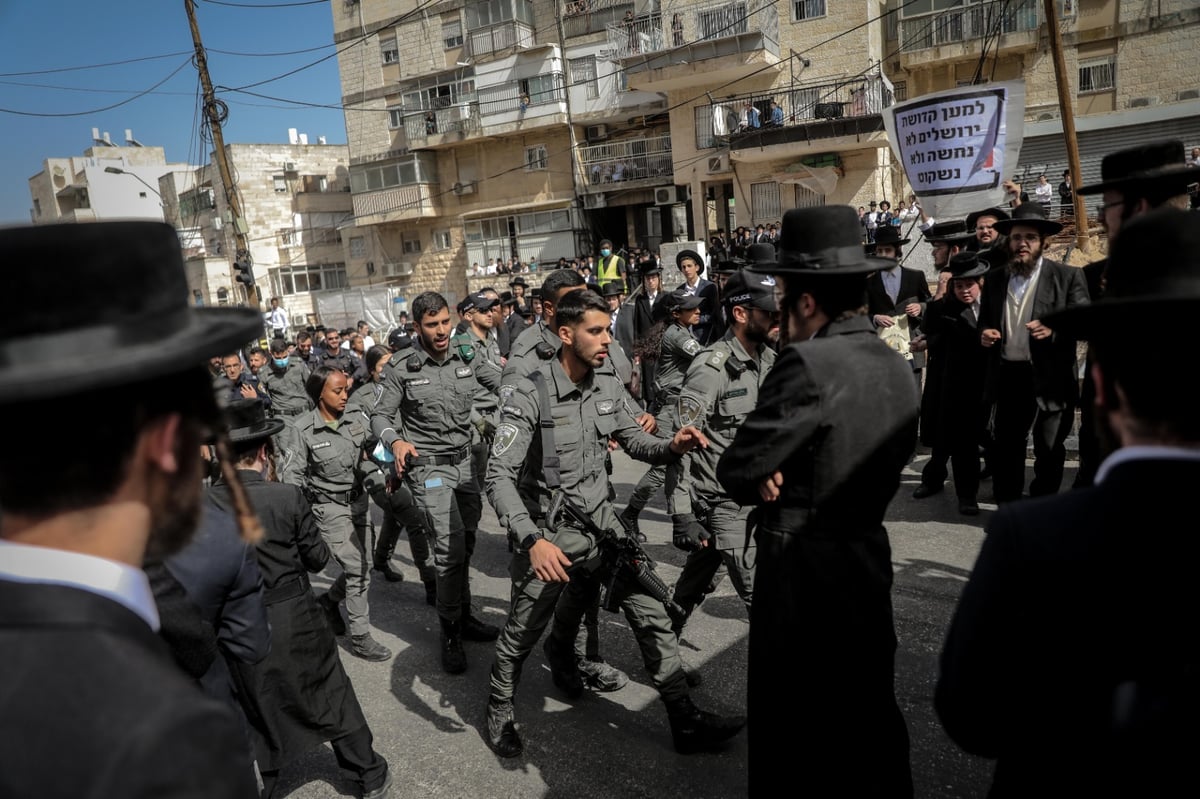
[449,497]
[400,511]
[347,534]
[727,522]
[661,474]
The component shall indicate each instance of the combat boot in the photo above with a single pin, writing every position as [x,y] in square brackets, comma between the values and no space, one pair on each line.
[454,659]
[502,732]
[563,667]
[696,730]
[367,648]
[475,630]
[390,573]
[629,520]
[431,593]
[601,676]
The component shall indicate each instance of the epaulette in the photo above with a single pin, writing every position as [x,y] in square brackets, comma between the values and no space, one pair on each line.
[716,358]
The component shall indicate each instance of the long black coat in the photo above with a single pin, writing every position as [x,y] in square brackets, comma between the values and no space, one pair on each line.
[838,417]
[956,400]
[299,696]
[1072,655]
[94,707]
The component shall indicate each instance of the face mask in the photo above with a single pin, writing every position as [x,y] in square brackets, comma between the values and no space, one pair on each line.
[280,363]
[605,253]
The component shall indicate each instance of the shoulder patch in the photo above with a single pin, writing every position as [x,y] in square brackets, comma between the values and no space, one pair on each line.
[691,346]
[511,410]
[506,436]
[506,391]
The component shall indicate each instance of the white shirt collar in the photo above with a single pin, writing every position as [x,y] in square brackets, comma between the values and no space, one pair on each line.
[119,582]
[1142,453]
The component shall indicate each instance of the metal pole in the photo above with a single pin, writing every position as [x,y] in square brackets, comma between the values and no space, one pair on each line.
[1068,120]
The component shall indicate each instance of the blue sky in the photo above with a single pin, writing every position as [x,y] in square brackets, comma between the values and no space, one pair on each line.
[44,35]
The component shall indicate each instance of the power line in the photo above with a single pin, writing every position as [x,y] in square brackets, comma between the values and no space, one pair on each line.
[271,55]
[265,5]
[140,94]
[90,90]
[94,66]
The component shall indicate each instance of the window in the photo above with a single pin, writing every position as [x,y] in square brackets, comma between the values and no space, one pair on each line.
[391,53]
[807,9]
[280,183]
[414,168]
[412,245]
[807,198]
[900,91]
[1098,74]
[583,70]
[441,240]
[319,277]
[764,202]
[543,88]
[395,118]
[358,247]
[37,207]
[452,34]
[316,183]
[728,20]
[704,127]
[536,158]
[622,80]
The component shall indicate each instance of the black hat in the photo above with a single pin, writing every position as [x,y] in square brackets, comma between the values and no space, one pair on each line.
[754,289]
[463,305]
[112,310]
[953,232]
[650,268]
[824,240]
[1028,215]
[972,218]
[1160,164]
[968,264]
[518,281]
[760,257]
[1153,275]
[479,301]
[730,265]
[247,420]
[889,234]
[677,300]
[613,288]
[507,298]
[873,203]
[535,293]
[695,256]
[399,340]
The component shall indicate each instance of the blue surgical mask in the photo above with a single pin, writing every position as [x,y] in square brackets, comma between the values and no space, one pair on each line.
[605,253]
[280,363]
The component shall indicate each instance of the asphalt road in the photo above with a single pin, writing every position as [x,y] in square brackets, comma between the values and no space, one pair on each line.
[429,725]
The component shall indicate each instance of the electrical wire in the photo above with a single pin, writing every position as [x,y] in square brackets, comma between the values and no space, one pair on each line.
[126,101]
[266,5]
[93,66]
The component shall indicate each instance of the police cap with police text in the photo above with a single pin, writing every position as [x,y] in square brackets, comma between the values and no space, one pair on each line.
[751,289]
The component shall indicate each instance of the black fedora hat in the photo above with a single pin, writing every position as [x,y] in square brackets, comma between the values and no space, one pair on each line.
[1028,215]
[999,214]
[889,235]
[760,257]
[613,288]
[650,268]
[825,240]
[1152,277]
[103,304]
[695,256]
[953,232]
[507,298]
[1158,164]
[247,420]
[518,281]
[968,264]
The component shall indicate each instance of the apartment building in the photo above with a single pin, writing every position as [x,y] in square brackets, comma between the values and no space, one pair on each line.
[296,215]
[1127,62]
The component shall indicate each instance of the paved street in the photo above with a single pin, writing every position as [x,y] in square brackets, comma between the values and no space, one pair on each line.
[428,724]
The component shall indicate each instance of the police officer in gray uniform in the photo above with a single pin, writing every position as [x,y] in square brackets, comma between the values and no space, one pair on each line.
[327,466]
[283,379]
[479,342]
[719,390]
[423,417]
[586,408]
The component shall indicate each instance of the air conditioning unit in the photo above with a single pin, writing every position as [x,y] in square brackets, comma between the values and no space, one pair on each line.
[596,132]
[718,163]
[1188,94]
[669,195]
[217,223]
[828,111]
[594,201]
[1143,102]
[464,188]
[401,269]
[290,166]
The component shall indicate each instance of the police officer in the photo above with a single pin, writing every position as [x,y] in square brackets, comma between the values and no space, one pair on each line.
[719,390]
[237,383]
[587,408]
[283,378]
[327,466]
[333,355]
[479,342]
[424,414]
[305,352]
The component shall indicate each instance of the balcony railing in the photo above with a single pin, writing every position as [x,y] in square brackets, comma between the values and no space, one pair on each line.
[499,37]
[522,95]
[401,202]
[973,21]
[650,33]
[463,117]
[626,160]
[581,17]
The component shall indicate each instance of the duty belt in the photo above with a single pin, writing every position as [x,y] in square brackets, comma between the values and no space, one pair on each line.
[288,589]
[453,459]
[282,412]
[340,497]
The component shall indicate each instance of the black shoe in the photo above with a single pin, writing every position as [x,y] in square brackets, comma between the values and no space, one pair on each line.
[968,507]
[696,730]
[502,730]
[367,648]
[383,791]
[924,490]
[454,659]
[431,593]
[629,520]
[475,630]
[332,614]
[564,669]
[602,677]
[389,573]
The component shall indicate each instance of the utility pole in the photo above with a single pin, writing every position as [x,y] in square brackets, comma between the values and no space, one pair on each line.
[576,180]
[1068,120]
[241,269]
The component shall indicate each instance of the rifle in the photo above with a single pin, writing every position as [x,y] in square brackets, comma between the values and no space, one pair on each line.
[619,556]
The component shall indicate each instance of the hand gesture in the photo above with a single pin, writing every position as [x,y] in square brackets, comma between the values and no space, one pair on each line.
[687,439]
[883,320]
[248,391]
[402,450]
[1038,331]
[768,489]
[989,337]
[648,422]
[548,562]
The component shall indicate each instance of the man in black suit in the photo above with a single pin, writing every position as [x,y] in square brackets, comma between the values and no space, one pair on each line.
[93,704]
[896,291]
[1031,375]
[1069,658]
[643,319]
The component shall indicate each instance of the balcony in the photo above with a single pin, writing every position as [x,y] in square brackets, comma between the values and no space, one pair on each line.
[841,115]
[397,204]
[543,94]
[582,17]
[497,38]
[443,125]
[923,38]
[701,45]
[632,163]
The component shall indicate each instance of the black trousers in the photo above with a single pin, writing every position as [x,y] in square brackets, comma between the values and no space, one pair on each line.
[355,753]
[1017,416]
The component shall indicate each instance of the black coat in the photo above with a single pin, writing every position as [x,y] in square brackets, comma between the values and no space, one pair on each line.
[704,329]
[1072,655]
[837,416]
[953,407]
[95,708]
[299,696]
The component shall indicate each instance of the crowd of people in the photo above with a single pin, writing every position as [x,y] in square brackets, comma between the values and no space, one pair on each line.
[780,389]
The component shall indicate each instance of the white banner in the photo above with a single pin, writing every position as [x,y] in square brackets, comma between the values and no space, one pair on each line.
[955,145]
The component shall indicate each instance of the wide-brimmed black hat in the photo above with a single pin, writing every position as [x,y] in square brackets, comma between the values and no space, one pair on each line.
[518,281]
[889,235]
[753,289]
[1028,215]
[824,240]
[650,268]
[695,256]
[535,293]
[102,304]
[999,214]
[1159,164]
[968,264]
[953,232]
[507,298]
[1152,277]
[247,420]
[613,288]
[760,257]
